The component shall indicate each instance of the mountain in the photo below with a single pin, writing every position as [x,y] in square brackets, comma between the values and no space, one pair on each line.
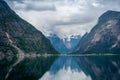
[65,45]
[58,43]
[16,33]
[104,37]
[19,38]
[72,41]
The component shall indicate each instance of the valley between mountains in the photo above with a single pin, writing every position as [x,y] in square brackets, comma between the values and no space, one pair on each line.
[26,54]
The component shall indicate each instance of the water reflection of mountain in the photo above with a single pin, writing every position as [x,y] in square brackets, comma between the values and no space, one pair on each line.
[64,62]
[61,68]
[101,67]
[85,68]
[27,69]
[65,68]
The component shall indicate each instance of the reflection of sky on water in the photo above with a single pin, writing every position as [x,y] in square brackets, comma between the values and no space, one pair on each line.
[65,62]
[65,68]
[66,74]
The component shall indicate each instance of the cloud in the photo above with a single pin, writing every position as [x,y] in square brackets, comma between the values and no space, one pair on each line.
[66,74]
[36,5]
[63,17]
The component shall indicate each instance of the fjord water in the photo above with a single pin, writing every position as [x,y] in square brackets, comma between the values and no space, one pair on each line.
[85,68]
[65,68]
[61,68]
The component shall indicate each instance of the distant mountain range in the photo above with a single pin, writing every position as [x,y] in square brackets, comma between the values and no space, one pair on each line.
[65,45]
[104,37]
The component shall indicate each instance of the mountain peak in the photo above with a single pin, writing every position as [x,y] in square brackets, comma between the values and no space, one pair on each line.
[109,15]
[52,35]
[111,11]
[3,5]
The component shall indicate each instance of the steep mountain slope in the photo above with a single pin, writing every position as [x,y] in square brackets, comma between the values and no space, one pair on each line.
[57,43]
[19,37]
[15,31]
[104,37]
[65,45]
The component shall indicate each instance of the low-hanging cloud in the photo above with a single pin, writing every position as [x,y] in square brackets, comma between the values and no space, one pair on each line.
[63,17]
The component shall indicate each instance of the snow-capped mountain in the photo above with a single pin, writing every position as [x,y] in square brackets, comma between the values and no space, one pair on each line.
[65,45]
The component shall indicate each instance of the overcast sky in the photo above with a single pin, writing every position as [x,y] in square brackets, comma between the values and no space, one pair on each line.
[63,17]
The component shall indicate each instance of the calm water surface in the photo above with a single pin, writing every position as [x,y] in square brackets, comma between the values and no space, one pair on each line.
[60,68]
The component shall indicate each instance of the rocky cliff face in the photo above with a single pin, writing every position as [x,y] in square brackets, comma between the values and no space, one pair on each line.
[16,31]
[104,37]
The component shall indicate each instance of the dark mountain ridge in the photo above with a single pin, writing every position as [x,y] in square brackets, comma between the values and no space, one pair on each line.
[18,39]
[104,37]
[22,34]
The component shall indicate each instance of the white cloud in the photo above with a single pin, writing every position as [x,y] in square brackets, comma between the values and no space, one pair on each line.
[66,74]
[97,5]
[63,17]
